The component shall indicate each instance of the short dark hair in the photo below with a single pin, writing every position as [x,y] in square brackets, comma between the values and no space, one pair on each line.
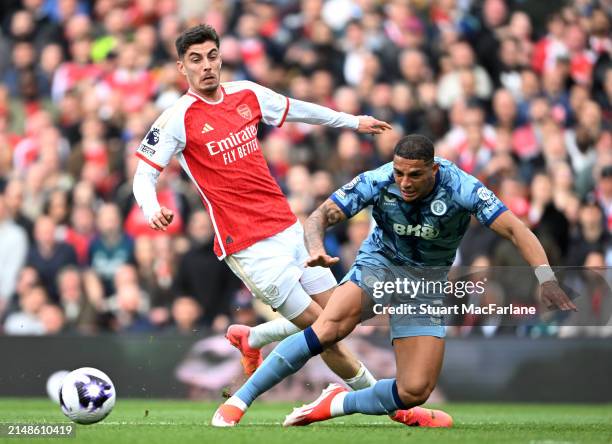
[193,36]
[415,147]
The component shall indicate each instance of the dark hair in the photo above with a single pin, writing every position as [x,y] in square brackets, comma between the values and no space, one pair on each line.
[415,147]
[193,36]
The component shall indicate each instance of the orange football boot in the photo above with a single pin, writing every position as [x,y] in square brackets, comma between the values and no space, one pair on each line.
[227,416]
[422,417]
[238,336]
[318,410]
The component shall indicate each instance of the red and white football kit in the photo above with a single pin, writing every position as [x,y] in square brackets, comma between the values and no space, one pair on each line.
[216,145]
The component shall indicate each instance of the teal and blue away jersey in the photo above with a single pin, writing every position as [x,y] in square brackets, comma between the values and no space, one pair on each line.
[423,233]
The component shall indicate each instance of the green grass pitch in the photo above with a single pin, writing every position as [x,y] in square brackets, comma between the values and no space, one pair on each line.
[178,422]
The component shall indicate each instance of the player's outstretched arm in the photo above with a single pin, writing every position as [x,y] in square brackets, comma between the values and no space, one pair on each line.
[143,187]
[306,112]
[326,215]
[509,226]
[277,109]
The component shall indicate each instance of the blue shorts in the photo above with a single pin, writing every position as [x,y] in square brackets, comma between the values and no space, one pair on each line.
[370,273]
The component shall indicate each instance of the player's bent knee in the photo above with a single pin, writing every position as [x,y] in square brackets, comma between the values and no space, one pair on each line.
[413,394]
[307,316]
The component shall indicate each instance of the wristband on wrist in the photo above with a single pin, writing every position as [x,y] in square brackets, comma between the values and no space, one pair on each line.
[545,274]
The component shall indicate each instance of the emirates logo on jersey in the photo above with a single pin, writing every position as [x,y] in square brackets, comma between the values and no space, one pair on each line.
[244,111]
[232,141]
[236,145]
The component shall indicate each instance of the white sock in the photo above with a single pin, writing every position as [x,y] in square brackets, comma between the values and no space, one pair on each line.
[336,407]
[363,379]
[272,331]
[237,402]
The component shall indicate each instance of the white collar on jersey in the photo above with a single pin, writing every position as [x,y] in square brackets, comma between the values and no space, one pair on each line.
[193,93]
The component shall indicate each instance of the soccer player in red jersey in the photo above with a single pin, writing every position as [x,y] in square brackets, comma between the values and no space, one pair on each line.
[212,130]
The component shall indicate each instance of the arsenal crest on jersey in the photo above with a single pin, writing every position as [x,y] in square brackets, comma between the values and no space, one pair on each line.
[244,111]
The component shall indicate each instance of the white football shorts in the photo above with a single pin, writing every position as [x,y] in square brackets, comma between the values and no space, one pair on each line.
[273,270]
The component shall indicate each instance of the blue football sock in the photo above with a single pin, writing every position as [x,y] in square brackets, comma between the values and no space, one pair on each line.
[287,358]
[379,399]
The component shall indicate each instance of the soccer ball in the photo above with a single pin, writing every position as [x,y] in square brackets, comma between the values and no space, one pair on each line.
[87,395]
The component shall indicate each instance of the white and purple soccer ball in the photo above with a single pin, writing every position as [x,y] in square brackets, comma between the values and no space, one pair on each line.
[87,395]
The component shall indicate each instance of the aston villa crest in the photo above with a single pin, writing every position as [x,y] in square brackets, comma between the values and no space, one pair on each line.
[438,207]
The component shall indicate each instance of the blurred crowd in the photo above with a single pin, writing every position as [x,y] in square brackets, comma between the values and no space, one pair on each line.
[517,93]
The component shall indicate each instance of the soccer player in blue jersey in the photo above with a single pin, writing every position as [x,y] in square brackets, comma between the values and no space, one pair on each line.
[422,206]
